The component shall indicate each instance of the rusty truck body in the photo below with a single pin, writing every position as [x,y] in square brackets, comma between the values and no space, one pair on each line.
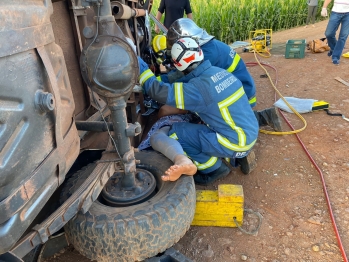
[69,85]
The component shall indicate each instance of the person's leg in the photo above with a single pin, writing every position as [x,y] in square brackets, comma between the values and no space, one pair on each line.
[172,150]
[201,144]
[309,15]
[167,110]
[313,13]
[342,38]
[331,29]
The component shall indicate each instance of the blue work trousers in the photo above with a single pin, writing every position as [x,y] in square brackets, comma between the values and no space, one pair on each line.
[200,144]
[337,46]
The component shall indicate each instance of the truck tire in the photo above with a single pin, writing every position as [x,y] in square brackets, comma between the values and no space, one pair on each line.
[137,232]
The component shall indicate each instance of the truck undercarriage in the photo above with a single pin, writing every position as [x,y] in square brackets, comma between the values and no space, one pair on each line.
[69,85]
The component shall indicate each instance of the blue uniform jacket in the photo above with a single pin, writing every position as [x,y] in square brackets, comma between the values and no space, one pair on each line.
[223,56]
[216,95]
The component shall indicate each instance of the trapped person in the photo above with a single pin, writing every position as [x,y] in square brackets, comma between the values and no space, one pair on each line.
[158,139]
[220,55]
[312,10]
[173,10]
[218,98]
[339,17]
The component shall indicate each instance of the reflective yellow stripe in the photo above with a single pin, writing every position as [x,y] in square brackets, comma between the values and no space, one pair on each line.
[253,100]
[233,65]
[178,89]
[223,107]
[158,78]
[206,165]
[226,143]
[145,76]
[174,136]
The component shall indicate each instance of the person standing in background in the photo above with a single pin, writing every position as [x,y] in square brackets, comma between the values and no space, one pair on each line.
[312,10]
[173,10]
[339,16]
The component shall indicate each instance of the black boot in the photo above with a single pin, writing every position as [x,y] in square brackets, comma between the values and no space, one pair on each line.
[269,117]
[247,163]
[206,179]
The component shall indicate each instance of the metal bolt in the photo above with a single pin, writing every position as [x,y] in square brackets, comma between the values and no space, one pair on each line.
[44,101]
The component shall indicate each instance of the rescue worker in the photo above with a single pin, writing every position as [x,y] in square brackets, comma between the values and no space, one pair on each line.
[223,56]
[218,98]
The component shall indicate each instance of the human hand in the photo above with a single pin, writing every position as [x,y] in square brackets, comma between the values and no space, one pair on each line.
[156,29]
[142,65]
[324,12]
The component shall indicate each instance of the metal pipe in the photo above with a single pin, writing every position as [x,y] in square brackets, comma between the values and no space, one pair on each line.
[104,8]
[120,11]
[117,107]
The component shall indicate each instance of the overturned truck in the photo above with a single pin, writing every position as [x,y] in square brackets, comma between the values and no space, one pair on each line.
[69,99]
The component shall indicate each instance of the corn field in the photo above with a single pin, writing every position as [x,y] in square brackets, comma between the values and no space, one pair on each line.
[232,20]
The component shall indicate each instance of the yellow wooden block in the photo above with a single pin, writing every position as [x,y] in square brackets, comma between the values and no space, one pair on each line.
[218,208]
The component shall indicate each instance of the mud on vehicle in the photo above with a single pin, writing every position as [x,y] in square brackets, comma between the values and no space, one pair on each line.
[68,89]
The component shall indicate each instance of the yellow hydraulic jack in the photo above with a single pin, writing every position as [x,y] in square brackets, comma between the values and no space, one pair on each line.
[221,208]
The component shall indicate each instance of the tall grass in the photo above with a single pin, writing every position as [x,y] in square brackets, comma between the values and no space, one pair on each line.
[232,20]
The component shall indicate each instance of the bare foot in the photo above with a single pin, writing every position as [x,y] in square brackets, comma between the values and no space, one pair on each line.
[182,166]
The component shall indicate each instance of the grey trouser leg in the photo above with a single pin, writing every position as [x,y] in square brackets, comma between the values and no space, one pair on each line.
[169,147]
[311,14]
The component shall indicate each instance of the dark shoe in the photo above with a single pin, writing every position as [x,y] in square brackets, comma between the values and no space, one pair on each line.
[206,179]
[335,61]
[329,53]
[270,117]
[247,163]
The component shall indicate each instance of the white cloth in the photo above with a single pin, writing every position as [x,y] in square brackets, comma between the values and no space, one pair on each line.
[341,6]
[301,105]
[129,40]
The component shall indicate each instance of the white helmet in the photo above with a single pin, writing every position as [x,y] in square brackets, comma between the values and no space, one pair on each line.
[184,52]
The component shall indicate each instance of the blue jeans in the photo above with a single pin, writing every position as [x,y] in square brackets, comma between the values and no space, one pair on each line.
[337,46]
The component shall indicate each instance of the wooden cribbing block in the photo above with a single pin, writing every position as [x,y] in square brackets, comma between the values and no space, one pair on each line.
[218,208]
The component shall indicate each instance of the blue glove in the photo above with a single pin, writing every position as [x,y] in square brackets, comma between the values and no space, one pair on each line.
[142,65]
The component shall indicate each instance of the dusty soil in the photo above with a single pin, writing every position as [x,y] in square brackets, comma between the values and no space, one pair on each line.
[286,188]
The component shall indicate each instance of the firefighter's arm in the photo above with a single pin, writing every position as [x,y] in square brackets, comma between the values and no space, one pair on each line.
[156,89]
[171,77]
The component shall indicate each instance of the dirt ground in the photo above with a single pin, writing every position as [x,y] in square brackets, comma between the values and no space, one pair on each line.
[286,188]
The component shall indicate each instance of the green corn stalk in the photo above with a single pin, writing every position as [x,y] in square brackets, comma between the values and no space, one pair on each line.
[231,21]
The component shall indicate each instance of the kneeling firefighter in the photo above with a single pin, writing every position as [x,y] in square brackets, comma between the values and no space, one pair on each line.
[218,98]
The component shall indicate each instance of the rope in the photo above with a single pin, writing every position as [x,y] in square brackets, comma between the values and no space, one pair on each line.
[328,202]
[253,232]
[281,96]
